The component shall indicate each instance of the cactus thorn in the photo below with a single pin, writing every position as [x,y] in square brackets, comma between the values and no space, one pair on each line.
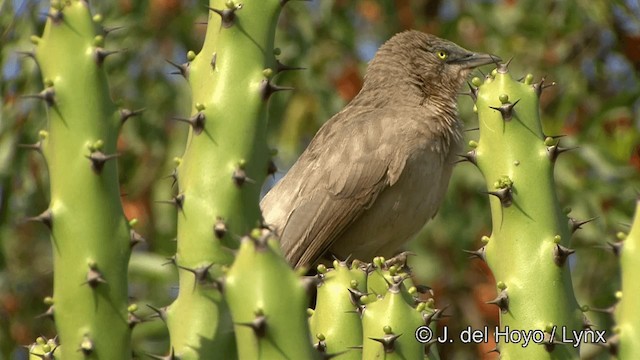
[171,260]
[616,247]
[503,68]
[94,277]
[576,225]
[267,89]
[505,195]
[86,346]
[227,15]
[473,91]
[258,325]
[501,301]
[555,150]
[180,69]
[108,30]
[135,238]
[561,253]
[47,95]
[133,320]
[98,159]
[47,314]
[29,54]
[55,15]
[388,342]
[480,254]
[214,60]
[160,313]
[240,177]
[177,201]
[506,110]
[196,121]
[201,273]
[434,316]
[35,146]
[101,54]
[539,86]
[125,114]
[469,156]
[280,67]
[46,217]
[220,228]
[171,356]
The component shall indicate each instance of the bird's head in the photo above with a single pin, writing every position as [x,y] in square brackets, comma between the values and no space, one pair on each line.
[423,65]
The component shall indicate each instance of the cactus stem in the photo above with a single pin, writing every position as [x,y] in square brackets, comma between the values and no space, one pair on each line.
[505,195]
[267,89]
[388,342]
[501,301]
[101,54]
[125,114]
[227,15]
[47,95]
[576,225]
[480,254]
[135,238]
[46,217]
[220,228]
[506,110]
[258,325]
[160,313]
[561,253]
[181,69]
[98,159]
[280,67]
[196,121]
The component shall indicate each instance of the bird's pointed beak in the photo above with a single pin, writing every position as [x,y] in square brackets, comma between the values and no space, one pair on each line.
[473,60]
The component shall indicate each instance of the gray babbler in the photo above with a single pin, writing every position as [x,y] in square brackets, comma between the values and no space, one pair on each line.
[377,171]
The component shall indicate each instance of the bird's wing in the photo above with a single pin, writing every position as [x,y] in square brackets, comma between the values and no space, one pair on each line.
[347,165]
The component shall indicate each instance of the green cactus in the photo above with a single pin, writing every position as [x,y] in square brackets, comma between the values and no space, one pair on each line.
[267,301]
[529,245]
[223,166]
[91,238]
[627,337]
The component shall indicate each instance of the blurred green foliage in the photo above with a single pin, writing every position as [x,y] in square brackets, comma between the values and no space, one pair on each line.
[591,49]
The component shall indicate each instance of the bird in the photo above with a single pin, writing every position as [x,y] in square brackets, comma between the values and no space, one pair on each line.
[377,171]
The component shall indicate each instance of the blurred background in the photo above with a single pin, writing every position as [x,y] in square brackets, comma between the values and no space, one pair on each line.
[591,49]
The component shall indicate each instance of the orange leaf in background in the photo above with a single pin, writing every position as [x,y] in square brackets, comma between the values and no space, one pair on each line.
[349,82]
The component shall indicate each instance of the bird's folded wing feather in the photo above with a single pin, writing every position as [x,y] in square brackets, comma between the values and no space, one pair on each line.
[342,172]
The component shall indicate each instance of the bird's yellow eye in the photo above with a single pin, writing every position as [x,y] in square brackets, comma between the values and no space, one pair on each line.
[442,55]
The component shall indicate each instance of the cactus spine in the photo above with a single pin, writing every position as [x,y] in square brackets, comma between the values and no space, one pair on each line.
[223,167]
[529,245]
[90,235]
[627,338]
